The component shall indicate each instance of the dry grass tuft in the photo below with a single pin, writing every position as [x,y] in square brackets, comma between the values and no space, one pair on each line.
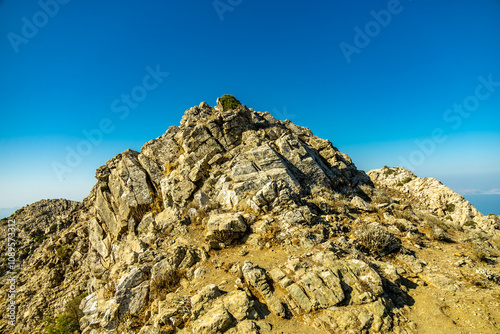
[377,240]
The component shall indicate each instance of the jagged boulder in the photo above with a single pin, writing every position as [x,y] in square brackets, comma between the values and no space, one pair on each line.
[225,227]
[123,194]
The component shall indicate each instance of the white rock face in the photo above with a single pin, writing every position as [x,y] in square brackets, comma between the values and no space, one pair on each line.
[433,196]
[225,227]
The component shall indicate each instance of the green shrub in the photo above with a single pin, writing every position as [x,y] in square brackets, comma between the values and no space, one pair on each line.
[229,102]
[69,321]
[59,325]
[407,179]
[40,238]
[400,184]
[53,228]
[470,223]
[450,207]
[73,309]
[389,171]
[23,255]
[63,253]
[44,212]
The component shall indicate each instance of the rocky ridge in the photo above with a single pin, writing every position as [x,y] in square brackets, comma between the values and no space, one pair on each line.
[237,222]
[434,197]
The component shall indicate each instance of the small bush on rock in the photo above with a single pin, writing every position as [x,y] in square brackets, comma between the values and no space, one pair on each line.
[389,171]
[63,253]
[377,240]
[229,102]
[40,238]
[470,223]
[165,279]
[407,179]
[53,228]
[68,322]
[450,207]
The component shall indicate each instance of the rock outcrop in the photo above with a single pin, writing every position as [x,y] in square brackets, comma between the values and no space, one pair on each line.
[434,197]
[236,222]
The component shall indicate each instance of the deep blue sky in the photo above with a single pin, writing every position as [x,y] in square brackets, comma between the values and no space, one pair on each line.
[281,57]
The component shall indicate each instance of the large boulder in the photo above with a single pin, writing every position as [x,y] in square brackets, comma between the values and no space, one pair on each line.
[225,227]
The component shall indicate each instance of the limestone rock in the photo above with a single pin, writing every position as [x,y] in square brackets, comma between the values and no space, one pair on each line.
[203,298]
[258,279]
[225,227]
[360,204]
[214,321]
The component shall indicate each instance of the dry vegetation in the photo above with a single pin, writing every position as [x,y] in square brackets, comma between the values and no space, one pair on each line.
[377,240]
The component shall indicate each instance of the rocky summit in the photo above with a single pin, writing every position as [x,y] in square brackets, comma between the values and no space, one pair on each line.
[235,222]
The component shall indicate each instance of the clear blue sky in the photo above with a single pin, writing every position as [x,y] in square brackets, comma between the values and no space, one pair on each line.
[68,68]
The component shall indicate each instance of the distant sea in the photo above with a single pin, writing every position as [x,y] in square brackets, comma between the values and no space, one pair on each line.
[485,203]
[6,212]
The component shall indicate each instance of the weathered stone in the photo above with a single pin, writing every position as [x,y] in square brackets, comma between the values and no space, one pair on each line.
[300,297]
[247,327]
[134,277]
[110,313]
[412,262]
[225,227]
[96,235]
[240,305]
[177,189]
[307,162]
[214,321]
[129,192]
[200,300]
[140,295]
[360,204]
[149,330]
[146,224]
[257,278]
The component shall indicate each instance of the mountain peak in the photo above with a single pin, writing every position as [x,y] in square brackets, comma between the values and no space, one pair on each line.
[237,222]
